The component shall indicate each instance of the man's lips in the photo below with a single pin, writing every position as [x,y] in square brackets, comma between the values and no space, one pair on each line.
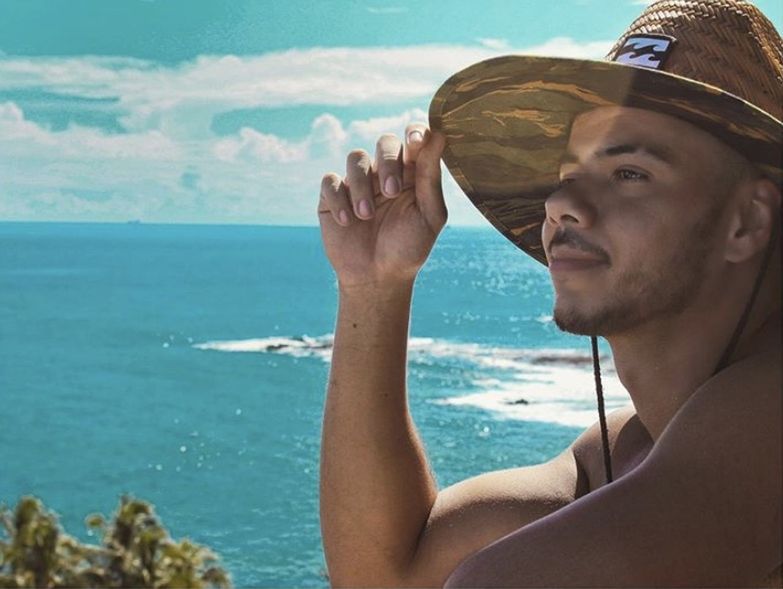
[564,258]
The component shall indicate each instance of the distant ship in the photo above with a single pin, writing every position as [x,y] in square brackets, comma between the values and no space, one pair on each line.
[134,222]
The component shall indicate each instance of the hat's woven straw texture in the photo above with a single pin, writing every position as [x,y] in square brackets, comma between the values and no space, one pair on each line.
[731,45]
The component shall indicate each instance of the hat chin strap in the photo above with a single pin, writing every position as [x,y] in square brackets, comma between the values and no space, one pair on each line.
[722,363]
[599,392]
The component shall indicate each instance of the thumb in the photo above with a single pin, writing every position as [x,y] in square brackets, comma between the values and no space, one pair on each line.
[429,190]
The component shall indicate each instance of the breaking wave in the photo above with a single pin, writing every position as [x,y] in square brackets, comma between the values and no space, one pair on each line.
[549,385]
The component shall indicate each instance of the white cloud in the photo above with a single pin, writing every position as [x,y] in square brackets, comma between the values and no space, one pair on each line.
[77,141]
[17,134]
[14,127]
[496,44]
[252,146]
[169,165]
[182,98]
[567,47]
[369,130]
[10,112]
[327,137]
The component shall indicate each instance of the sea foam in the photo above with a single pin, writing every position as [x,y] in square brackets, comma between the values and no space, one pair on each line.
[547,385]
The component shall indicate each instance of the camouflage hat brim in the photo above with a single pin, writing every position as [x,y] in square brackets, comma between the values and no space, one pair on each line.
[507,121]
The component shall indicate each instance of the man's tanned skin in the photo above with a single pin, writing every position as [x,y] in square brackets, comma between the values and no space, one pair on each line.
[657,250]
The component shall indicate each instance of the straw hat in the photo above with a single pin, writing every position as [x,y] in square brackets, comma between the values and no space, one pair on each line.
[717,64]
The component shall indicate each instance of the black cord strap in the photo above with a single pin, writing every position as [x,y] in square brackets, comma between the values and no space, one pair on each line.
[599,391]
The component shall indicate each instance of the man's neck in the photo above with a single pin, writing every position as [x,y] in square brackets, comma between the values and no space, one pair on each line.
[663,362]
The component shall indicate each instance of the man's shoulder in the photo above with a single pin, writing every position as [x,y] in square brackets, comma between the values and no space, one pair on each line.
[738,407]
[629,442]
[747,392]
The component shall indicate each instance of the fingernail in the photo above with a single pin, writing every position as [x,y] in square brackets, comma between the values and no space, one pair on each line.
[415,137]
[343,216]
[364,208]
[391,187]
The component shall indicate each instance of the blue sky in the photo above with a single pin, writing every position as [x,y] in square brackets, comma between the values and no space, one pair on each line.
[230,112]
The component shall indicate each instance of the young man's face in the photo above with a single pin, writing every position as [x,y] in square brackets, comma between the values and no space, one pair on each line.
[638,220]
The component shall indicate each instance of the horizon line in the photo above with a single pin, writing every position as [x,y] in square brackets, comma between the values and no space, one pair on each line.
[195,223]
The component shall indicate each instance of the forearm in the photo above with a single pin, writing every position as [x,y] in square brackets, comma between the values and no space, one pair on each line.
[376,487]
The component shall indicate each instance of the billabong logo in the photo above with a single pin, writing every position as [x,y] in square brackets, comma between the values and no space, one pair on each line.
[648,51]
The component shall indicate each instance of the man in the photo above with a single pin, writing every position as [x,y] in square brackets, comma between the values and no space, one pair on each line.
[655,200]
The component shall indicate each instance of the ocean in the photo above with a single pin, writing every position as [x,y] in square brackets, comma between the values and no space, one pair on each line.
[186,365]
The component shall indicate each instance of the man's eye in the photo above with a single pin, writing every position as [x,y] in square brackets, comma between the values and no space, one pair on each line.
[630,175]
[567,180]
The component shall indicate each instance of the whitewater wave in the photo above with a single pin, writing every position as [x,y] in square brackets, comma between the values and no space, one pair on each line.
[297,346]
[480,354]
[548,385]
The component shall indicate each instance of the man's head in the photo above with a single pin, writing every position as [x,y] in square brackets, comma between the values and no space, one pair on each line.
[651,214]
[716,65]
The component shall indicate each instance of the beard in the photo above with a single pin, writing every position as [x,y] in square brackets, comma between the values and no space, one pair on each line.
[653,288]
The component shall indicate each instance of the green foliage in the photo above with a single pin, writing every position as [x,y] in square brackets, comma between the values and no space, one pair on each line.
[136,551]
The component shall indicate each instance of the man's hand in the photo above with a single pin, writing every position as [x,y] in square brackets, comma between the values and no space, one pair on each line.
[380,221]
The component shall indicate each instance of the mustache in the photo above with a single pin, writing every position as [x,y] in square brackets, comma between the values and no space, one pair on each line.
[575,241]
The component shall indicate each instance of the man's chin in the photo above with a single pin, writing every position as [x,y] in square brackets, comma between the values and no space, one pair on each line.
[575,324]
[581,322]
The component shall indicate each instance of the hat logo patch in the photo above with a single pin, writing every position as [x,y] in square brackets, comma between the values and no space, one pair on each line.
[648,51]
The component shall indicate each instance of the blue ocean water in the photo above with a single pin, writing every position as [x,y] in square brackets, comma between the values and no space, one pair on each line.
[186,365]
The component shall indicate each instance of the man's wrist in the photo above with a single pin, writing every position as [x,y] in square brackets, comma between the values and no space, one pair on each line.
[377,289]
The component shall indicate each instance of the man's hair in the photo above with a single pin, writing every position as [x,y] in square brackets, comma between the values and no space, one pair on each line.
[731,169]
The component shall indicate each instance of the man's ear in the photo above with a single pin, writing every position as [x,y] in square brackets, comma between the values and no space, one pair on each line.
[753,220]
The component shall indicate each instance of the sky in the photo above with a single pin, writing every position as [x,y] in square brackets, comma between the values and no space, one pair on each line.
[195,111]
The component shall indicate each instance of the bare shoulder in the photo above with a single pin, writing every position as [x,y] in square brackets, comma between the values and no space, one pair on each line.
[478,511]
[722,451]
[736,411]
[629,444]
[707,498]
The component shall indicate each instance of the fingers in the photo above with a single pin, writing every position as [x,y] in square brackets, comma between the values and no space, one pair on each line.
[352,197]
[399,165]
[358,176]
[334,200]
[414,141]
[388,162]
[429,191]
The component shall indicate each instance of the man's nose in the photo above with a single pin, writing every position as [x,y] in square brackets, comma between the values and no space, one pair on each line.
[570,204]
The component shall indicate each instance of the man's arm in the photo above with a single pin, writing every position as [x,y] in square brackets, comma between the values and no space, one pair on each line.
[383,521]
[376,488]
[703,510]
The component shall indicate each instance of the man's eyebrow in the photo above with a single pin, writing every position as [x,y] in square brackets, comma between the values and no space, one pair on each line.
[659,152]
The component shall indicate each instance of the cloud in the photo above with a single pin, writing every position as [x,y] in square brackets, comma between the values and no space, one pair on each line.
[247,177]
[10,112]
[182,99]
[567,47]
[252,146]
[496,44]
[168,164]
[371,129]
[327,136]
[17,134]
[14,127]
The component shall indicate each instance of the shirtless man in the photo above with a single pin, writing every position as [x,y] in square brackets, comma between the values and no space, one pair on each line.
[654,239]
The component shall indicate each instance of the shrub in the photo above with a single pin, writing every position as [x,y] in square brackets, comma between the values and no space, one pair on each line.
[136,551]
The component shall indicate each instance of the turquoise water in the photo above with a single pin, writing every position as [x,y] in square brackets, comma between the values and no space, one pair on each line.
[186,365]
